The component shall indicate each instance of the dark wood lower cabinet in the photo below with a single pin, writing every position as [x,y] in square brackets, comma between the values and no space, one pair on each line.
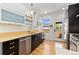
[10,47]
[21,46]
[36,40]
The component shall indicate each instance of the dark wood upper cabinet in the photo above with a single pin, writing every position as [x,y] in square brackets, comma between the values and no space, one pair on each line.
[73,16]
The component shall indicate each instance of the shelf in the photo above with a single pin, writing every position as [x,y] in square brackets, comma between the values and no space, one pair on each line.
[28,20]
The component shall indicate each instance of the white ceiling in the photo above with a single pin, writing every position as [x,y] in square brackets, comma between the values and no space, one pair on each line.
[49,7]
[43,9]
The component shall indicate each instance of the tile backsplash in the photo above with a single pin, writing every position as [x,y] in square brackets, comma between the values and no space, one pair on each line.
[11,28]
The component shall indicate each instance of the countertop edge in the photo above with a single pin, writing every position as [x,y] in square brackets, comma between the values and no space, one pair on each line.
[20,37]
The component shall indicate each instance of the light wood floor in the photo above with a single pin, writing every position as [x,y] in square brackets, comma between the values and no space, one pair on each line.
[46,48]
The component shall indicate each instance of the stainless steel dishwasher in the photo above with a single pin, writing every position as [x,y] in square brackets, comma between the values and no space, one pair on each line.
[25,45]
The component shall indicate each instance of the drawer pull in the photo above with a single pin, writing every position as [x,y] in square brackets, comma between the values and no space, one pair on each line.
[12,43]
[12,53]
[12,47]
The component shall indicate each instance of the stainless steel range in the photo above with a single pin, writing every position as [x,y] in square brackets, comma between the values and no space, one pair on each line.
[74,42]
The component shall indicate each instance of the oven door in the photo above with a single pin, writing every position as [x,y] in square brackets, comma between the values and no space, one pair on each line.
[73,47]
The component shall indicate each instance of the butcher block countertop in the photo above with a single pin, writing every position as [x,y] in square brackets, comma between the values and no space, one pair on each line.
[14,35]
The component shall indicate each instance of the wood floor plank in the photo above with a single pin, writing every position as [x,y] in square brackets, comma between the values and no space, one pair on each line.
[46,48]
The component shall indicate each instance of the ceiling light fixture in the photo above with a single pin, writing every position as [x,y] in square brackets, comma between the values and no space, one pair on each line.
[63,8]
[45,12]
[32,12]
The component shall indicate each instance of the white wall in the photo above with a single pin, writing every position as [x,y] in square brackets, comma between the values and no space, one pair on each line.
[15,8]
[11,28]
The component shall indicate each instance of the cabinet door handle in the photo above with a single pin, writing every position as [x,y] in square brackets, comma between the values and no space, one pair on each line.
[12,43]
[12,53]
[12,47]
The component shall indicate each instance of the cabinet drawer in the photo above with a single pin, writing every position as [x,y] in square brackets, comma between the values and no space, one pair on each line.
[10,52]
[13,53]
[9,47]
[10,43]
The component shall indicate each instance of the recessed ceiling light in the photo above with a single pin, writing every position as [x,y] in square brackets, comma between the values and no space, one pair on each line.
[63,8]
[32,12]
[45,12]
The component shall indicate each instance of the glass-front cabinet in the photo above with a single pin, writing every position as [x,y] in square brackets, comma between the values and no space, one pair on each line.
[10,17]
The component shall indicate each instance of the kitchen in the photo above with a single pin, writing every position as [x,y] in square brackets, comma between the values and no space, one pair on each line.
[25,29]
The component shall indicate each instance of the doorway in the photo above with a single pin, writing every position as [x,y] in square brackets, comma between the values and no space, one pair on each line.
[58,29]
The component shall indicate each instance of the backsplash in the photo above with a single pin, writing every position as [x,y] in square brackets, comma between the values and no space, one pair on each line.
[12,28]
